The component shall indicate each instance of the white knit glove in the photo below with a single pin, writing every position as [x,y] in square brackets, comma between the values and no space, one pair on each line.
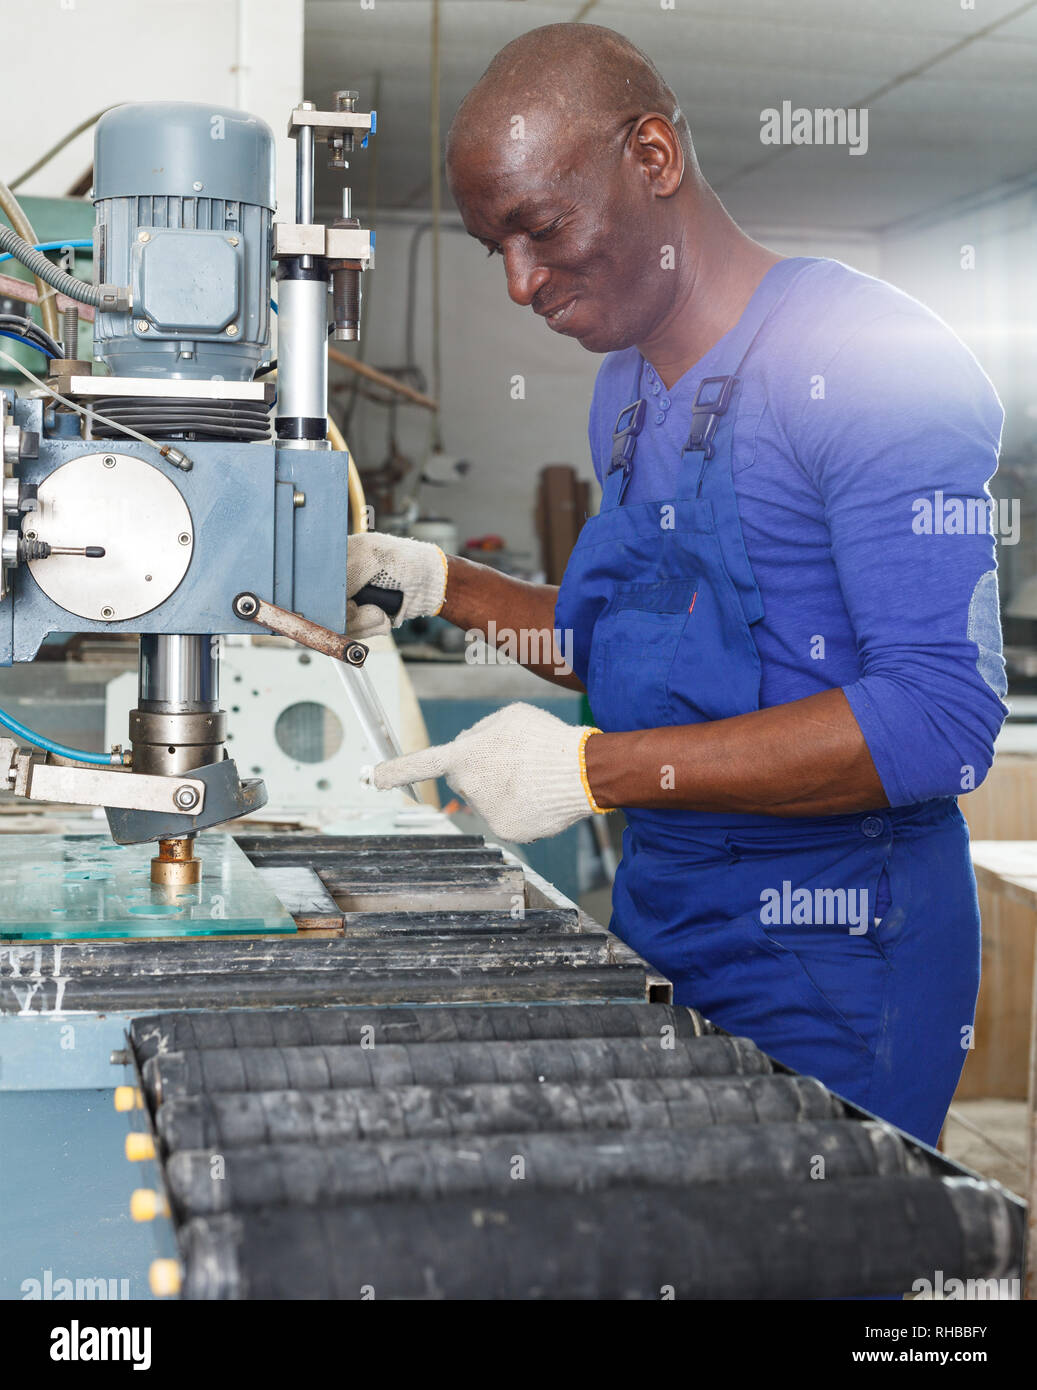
[521,768]
[417,568]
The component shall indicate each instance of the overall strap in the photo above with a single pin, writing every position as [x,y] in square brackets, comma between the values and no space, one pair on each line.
[629,424]
[714,393]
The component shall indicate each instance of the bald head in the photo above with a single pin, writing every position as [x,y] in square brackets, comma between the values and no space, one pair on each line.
[577,82]
[571,158]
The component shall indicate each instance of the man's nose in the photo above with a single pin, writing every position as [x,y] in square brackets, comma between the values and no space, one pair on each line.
[523,276]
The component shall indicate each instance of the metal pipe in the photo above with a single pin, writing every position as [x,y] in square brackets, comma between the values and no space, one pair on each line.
[304,145]
[397,388]
[304,172]
[302,355]
[179,674]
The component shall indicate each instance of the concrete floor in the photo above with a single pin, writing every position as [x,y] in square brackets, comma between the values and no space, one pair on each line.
[999,1151]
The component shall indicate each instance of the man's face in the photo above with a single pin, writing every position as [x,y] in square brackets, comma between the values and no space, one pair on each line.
[579,234]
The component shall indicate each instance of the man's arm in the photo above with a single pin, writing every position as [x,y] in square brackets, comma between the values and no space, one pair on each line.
[808,758]
[519,617]
[523,615]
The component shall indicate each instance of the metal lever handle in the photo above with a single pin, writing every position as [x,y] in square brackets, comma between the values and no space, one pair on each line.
[43,550]
[308,634]
[351,653]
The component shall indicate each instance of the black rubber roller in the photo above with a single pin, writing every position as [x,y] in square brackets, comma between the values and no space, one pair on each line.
[177,1032]
[305,1175]
[223,1122]
[793,1240]
[446,1064]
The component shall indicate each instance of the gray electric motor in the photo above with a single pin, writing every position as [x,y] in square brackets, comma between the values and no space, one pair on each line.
[184,195]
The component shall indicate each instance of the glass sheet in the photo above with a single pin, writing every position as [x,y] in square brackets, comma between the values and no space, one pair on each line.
[56,887]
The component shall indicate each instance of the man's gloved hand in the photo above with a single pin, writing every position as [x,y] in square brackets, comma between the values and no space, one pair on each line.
[417,568]
[521,768]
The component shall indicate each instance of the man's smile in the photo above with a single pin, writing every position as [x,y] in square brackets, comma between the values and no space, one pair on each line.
[558,317]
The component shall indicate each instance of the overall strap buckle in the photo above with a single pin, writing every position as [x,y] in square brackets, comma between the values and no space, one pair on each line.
[629,424]
[711,401]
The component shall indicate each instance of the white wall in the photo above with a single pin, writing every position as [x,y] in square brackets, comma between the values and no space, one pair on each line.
[90,54]
[486,340]
[993,307]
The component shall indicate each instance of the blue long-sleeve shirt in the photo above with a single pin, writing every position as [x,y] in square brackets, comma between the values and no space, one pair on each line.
[865,438]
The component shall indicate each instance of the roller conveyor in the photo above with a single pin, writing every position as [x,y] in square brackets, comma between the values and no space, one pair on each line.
[423,1093]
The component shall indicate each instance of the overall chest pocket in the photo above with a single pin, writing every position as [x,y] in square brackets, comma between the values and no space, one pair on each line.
[647,621]
[635,643]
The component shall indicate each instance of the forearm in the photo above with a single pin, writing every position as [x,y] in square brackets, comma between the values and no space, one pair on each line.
[807,758]
[521,614]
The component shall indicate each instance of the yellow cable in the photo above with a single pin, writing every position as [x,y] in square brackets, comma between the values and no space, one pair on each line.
[12,209]
[357,499]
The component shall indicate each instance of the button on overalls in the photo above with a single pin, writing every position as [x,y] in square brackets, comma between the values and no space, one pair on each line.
[845,946]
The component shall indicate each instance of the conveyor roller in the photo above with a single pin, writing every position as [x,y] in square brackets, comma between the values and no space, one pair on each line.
[224,1121]
[779,1240]
[302,1175]
[445,1064]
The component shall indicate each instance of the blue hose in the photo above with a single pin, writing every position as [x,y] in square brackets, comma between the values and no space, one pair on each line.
[17,338]
[53,246]
[49,746]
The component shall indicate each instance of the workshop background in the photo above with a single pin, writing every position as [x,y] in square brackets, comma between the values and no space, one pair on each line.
[943,204]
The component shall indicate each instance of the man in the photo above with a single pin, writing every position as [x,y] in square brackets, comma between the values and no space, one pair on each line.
[793,662]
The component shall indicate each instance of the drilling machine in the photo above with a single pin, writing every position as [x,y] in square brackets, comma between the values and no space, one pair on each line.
[156,497]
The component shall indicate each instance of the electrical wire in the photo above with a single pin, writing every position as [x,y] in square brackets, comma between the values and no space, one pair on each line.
[28,342]
[23,249]
[56,149]
[167,451]
[60,750]
[22,227]
[26,328]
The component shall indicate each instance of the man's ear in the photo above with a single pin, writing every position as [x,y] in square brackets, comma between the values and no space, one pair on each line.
[656,147]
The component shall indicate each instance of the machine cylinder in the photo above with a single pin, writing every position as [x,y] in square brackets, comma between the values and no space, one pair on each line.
[179,674]
[177,725]
[302,339]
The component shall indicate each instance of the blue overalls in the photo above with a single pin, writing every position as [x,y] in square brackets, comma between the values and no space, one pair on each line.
[847,947]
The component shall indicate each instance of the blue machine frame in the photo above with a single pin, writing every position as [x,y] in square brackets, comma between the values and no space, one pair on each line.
[249,534]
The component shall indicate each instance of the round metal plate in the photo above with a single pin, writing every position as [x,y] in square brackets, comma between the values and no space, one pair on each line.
[130,508]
